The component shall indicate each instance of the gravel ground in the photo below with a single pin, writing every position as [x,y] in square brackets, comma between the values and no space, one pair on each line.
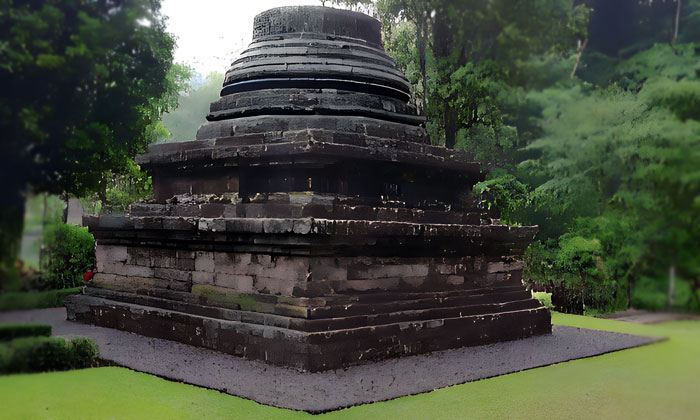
[318,392]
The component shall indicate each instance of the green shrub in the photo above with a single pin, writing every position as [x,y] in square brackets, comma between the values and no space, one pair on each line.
[70,252]
[544,298]
[43,354]
[11,331]
[32,300]
[85,352]
[38,354]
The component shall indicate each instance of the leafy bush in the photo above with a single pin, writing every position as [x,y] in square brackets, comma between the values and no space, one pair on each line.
[37,354]
[12,331]
[544,298]
[70,252]
[504,193]
[42,354]
[84,351]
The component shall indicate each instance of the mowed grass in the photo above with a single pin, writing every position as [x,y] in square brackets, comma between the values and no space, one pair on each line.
[656,381]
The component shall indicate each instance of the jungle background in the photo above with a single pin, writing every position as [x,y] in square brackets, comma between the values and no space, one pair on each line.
[586,113]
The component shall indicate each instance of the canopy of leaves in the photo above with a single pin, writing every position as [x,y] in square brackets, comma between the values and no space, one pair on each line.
[82,83]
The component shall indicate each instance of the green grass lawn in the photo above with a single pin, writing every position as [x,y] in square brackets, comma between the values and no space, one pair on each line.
[657,381]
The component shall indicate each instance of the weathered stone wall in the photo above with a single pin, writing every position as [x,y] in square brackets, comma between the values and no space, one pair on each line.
[297,275]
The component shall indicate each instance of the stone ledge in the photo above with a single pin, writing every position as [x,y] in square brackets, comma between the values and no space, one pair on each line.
[310,351]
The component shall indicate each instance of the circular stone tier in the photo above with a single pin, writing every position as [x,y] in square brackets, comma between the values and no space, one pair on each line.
[309,60]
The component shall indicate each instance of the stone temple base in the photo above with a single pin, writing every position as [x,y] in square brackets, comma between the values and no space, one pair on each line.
[300,343]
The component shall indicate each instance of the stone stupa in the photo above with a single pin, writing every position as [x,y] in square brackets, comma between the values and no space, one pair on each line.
[312,224]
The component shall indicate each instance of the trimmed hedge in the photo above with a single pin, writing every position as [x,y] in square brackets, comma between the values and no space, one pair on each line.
[42,354]
[11,331]
[31,300]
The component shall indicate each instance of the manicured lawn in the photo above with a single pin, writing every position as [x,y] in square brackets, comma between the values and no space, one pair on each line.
[657,381]
[11,301]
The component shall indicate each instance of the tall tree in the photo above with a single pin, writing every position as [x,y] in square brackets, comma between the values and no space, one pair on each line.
[81,84]
[420,14]
[475,49]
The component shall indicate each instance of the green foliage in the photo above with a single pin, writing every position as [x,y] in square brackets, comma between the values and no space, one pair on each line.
[621,166]
[120,190]
[544,298]
[183,122]
[36,354]
[70,252]
[12,331]
[12,301]
[43,354]
[82,86]
[84,353]
[504,193]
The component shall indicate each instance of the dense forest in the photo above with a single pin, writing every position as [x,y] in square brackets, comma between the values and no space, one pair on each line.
[586,114]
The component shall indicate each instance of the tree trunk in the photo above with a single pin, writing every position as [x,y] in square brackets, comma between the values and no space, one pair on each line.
[451,126]
[12,203]
[677,20]
[422,46]
[66,199]
[671,285]
[582,46]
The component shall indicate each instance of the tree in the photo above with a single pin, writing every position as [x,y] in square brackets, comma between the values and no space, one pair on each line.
[470,54]
[620,168]
[420,14]
[81,85]
[183,122]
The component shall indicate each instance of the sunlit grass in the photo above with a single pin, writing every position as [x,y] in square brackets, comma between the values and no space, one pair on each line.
[655,381]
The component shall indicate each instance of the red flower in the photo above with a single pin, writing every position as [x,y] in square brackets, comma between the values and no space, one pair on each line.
[87,276]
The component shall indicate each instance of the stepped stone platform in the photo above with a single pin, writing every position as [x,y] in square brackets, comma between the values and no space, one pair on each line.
[311,224]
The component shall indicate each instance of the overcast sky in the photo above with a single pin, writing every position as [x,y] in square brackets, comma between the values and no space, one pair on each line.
[211,33]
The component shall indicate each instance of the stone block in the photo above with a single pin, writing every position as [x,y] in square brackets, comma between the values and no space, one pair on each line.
[274,286]
[111,268]
[202,277]
[288,268]
[243,284]
[327,269]
[413,281]
[180,286]
[172,274]
[386,271]
[204,261]
[212,225]
[455,280]
[137,271]
[179,223]
[111,253]
[184,264]
[367,285]
[182,254]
